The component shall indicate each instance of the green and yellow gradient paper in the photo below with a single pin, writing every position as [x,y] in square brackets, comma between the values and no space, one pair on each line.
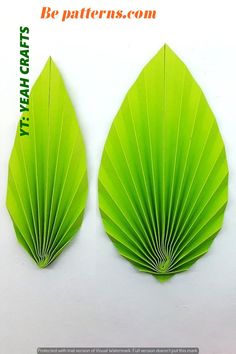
[163,178]
[47,183]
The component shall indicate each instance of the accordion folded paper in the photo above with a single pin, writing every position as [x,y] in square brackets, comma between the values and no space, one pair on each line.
[163,178]
[47,182]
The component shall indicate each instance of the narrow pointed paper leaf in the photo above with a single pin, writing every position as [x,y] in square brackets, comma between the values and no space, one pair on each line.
[47,183]
[163,177]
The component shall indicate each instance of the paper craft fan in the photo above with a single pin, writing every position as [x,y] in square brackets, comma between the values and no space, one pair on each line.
[163,177]
[47,183]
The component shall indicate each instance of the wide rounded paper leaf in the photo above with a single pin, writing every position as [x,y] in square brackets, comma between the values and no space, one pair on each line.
[47,182]
[163,177]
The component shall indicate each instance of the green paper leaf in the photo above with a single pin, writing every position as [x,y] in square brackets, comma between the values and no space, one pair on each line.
[47,182]
[163,177]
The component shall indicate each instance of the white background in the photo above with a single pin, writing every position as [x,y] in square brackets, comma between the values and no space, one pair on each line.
[91,296]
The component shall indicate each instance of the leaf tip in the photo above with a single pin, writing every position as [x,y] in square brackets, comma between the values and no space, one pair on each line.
[50,60]
[167,49]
